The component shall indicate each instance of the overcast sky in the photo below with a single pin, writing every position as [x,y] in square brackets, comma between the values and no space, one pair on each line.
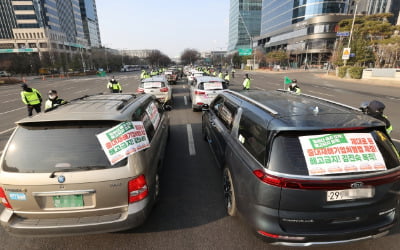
[167,25]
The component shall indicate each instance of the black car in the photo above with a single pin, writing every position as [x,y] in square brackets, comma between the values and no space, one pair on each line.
[304,170]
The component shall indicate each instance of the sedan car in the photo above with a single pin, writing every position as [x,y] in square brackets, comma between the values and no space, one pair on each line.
[204,89]
[302,170]
[158,86]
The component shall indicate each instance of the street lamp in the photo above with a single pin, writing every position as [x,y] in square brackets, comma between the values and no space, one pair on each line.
[351,29]
[251,39]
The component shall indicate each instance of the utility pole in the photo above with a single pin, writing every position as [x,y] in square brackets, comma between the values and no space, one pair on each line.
[351,30]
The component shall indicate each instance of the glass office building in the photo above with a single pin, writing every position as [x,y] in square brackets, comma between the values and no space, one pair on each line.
[42,26]
[90,22]
[304,28]
[244,23]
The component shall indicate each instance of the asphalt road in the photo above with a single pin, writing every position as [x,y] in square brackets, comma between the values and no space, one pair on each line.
[190,213]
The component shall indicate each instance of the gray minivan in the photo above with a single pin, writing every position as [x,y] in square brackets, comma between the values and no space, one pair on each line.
[304,170]
[55,175]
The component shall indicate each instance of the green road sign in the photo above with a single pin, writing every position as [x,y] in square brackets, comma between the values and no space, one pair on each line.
[245,52]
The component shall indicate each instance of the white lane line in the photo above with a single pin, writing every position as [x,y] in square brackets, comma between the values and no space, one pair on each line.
[185,100]
[6,131]
[259,88]
[320,93]
[192,149]
[12,110]
[10,101]
[80,91]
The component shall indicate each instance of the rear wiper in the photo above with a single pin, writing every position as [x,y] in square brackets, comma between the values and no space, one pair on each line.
[72,169]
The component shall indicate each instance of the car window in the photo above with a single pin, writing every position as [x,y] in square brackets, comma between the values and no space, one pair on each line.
[150,115]
[225,111]
[151,85]
[253,135]
[212,85]
[44,148]
[286,155]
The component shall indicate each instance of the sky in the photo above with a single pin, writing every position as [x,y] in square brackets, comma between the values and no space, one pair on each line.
[170,26]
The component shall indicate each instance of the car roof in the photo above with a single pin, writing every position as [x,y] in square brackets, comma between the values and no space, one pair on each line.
[208,79]
[106,107]
[291,111]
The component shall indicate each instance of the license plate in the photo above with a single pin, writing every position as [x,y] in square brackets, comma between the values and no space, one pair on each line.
[63,201]
[349,194]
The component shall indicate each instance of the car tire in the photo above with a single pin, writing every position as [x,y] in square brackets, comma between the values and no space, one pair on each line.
[229,193]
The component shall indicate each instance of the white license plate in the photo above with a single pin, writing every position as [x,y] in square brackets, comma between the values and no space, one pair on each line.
[349,194]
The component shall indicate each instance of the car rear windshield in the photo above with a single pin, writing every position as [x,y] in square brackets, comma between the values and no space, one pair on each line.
[48,148]
[290,155]
[151,85]
[212,85]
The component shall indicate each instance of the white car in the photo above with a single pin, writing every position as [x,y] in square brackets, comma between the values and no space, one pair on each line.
[204,89]
[4,74]
[158,86]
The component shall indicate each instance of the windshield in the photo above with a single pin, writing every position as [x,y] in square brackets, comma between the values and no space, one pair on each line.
[46,149]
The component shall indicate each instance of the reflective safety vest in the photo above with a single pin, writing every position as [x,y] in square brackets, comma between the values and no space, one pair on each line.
[390,127]
[220,75]
[114,86]
[31,98]
[227,77]
[246,83]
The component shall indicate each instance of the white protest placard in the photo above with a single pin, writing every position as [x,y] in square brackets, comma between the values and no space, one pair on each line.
[341,153]
[123,140]
[212,85]
[153,113]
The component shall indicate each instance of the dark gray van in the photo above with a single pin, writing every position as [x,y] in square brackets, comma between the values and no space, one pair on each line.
[304,170]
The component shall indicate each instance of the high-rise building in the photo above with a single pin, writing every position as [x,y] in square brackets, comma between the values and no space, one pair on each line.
[305,29]
[244,23]
[44,26]
[369,7]
[90,22]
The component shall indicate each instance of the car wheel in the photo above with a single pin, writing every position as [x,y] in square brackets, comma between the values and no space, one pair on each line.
[229,193]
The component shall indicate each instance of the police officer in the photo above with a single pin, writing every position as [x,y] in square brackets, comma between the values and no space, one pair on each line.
[53,101]
[32,98]
[220,75]
[227,77]
[294,88]
[114,86]
[375,109]
[246,82]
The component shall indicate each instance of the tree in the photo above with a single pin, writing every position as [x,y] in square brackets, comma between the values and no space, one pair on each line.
[276,57]
[368,32]
[156,58]
[190,56]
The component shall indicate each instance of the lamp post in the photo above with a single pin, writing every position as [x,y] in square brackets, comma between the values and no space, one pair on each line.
[351,29]
[251,39]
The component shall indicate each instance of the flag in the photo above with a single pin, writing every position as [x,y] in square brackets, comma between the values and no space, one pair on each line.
[287,80]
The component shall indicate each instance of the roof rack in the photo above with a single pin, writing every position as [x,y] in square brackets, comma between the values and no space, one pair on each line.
[272,111]
[323,99]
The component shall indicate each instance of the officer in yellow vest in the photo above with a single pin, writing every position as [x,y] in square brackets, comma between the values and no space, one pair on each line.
[32,98]
[114,86]
[246,82]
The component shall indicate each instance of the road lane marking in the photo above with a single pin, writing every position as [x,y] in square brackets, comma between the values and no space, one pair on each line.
[9,101]
[185,100]
[192,149]
[12,110]
[80,91]
[320,93]
[7,130]
[259,88]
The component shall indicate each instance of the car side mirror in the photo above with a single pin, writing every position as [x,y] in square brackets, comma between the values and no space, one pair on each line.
[167,107]
[205,107]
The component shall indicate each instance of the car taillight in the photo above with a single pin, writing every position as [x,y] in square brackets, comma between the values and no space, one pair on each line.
[140,90]
[196,92]
[137,189]
[164,89]
[3,199]
[324,184]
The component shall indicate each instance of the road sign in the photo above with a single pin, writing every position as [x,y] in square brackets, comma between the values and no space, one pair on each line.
[245,52]
[18,50]
[346,54]
[344,33]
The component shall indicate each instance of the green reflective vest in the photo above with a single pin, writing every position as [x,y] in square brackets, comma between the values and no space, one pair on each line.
[31,98]
[246,83]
